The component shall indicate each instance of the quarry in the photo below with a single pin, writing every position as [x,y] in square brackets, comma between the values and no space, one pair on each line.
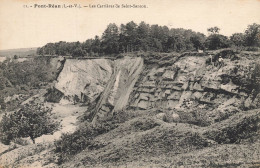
[147,110]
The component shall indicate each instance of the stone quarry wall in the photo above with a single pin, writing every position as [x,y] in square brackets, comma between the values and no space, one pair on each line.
[120,86]
[190,82]
[83,80]
[104,83]
[195,83]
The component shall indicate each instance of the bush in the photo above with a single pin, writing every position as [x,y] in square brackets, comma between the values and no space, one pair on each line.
[71,144]
[144,124]
[53,95]
[2,103]
[252,48]
[30,121]
[196,117]
[248,127]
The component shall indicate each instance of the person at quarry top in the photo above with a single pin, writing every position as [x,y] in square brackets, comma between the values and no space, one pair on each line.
[220,61]
[211,59]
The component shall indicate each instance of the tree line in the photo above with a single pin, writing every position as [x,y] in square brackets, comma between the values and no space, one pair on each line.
[144,37]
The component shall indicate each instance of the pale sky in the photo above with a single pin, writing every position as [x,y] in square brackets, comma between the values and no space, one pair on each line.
[33,27]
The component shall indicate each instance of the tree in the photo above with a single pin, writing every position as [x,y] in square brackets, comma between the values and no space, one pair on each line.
[238,39]
[40,51]
[142,41]
[30,121]
[110,39]
[96,45]
[252,35]
[131,35]
[122,39]
[217,41]
[198,40]
[214,30]
[78,52]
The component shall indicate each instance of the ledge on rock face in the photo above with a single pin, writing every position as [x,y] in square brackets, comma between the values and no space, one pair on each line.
[168,74]
[143,104]
[175,96]
[229,87]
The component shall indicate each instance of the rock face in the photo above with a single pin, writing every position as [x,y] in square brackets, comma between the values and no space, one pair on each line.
[83,80]
[104,82]
[115,96]
[194,83]
[191,82]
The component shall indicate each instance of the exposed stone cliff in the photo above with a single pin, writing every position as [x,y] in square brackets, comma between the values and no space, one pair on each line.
[83,79]
[201,83]
[187,82]
[106,84]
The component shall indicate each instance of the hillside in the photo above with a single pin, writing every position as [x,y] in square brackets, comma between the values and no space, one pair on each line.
[148,109]
[22,52]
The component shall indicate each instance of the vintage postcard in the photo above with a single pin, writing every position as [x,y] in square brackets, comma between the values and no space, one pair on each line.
[129,83]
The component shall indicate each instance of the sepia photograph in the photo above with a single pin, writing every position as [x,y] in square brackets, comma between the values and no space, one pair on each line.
[129,83]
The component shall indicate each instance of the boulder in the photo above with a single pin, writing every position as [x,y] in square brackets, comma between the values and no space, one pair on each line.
[197,87]
[143,104]
[168,74]
[229,87]
[171,104]
[161,116]
[175,117]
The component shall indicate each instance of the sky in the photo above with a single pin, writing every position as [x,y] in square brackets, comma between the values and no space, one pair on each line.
[34,27]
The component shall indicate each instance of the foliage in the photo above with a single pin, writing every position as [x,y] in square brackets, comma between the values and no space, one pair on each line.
[217,41]
[2,103]
[235,133]
[24,77]
[53,95]
[195,117]
[71,144]
[249,39]
[110,43]
[145,124]
[78,52]
[256,78]
[30,121]
[198,41]
[252,35]
[238,39]
[23,73]
[213,30]
[129,37]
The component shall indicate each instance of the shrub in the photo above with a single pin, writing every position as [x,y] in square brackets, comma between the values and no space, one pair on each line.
[2,103]
[252,48]
[234,134]
[53,95]
[30,121]
[144,124]
[195,117]
[71,144]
